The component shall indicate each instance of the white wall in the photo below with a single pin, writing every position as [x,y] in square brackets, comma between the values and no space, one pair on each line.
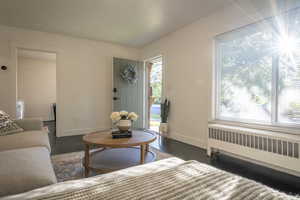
[84,76]
[36,80]
[188,56]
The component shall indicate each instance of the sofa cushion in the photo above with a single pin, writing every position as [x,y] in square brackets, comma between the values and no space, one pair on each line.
[8,126]
[25,139]
[25,169]
[30,124]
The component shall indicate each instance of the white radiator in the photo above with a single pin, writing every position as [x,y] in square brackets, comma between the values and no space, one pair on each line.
[276,150]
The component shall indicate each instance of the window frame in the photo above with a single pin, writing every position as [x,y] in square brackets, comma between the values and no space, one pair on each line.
[274,84]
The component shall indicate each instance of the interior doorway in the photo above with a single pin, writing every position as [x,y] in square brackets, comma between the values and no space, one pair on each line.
[36,85]
[154,68]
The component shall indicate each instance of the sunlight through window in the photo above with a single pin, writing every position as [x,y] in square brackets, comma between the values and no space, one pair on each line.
[258,72]
[287,45]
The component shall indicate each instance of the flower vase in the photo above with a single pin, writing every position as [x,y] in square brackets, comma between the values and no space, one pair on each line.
[163,129]
[124,125]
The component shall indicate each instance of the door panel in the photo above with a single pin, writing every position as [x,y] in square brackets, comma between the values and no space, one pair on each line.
[129,96]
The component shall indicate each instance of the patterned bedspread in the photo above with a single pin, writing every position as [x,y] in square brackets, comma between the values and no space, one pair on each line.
[167,179]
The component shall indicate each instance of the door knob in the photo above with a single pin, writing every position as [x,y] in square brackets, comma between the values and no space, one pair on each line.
[115,98]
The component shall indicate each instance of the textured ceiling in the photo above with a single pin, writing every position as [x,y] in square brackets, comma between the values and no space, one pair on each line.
[127,22]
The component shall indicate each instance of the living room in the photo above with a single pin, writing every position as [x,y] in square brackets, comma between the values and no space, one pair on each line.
[220,95]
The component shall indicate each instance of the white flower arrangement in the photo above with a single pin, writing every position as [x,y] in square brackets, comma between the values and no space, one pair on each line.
[123,115]
[115,116]
[133,116]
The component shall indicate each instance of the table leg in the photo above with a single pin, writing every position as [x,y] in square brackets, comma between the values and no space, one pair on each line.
[87,160]
[143,148]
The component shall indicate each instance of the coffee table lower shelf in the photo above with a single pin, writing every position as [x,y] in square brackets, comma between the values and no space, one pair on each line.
[111,159]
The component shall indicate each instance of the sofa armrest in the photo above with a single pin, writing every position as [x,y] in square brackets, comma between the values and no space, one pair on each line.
[30,124]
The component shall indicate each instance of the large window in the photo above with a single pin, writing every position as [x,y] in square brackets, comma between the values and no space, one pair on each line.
[258,72]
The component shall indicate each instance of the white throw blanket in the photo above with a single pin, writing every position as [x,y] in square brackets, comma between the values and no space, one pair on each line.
[170,179]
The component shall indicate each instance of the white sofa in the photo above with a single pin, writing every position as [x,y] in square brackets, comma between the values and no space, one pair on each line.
[25,159]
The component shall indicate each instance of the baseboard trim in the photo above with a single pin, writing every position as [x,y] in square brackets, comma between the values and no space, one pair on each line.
[175,136]
[189,140]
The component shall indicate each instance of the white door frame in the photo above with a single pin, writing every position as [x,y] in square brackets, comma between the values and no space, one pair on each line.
[14,53]
[146,94]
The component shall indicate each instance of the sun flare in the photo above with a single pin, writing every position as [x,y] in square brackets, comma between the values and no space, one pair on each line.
[287,45]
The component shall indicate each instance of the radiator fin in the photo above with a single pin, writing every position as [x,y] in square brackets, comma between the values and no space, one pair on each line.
[278,146]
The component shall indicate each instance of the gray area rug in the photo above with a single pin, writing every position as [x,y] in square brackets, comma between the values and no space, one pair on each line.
[69,166]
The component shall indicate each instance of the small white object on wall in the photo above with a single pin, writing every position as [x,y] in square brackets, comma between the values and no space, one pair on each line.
[20,109]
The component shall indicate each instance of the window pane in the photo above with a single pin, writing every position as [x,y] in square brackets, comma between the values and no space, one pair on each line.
[289,90]
[289,72]
[245,67]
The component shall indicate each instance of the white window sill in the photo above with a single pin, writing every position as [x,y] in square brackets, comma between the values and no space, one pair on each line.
[288,130]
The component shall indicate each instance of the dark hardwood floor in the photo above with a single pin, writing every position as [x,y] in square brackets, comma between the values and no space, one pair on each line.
[275,179]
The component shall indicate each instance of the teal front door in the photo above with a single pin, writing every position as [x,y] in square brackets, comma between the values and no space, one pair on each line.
[128,88]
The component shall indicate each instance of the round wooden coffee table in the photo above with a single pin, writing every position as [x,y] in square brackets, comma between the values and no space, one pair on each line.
[106,142]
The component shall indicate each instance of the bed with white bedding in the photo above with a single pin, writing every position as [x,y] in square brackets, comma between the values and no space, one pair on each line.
[171,179]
